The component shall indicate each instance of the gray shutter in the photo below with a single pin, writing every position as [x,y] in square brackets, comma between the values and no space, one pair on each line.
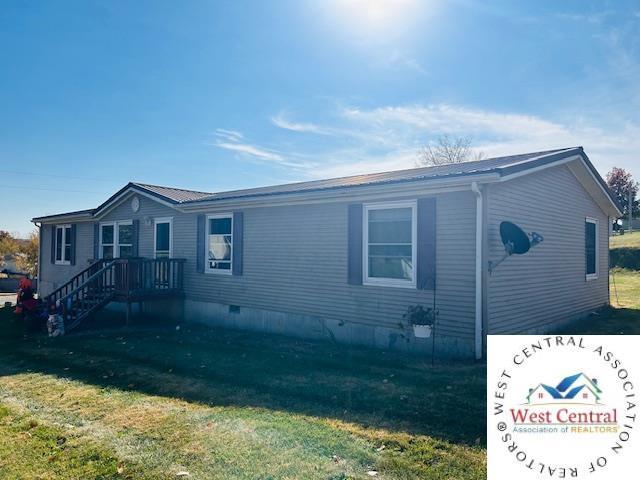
[426,261]
[200,243]
[72,260]
[53,243]
[96,241]
[354,250]
[135,251]
[237,246]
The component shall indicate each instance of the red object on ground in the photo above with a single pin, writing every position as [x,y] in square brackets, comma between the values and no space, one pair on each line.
[25,299]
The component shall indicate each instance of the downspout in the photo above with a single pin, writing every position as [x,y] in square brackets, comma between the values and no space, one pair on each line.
[39,256]
[479,229]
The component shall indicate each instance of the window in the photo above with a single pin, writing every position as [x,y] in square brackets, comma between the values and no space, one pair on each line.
[541,395]
[125,240]
[390,244]
[219,243]
[116,239]
[591,248]
[162,238]
[63,245]
[107,241]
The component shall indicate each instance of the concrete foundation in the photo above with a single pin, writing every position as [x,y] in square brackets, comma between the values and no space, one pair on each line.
[311,327]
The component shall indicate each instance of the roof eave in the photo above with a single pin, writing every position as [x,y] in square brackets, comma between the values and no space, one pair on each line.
[70,216]
[113,200]
[610,206]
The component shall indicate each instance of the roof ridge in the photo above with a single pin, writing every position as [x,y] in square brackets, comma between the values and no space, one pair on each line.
[539,155]
[140,184]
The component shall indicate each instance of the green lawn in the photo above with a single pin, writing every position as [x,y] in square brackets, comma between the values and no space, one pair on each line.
[624,316]
[625,251]
[624,281]
[151,403]
[625,241]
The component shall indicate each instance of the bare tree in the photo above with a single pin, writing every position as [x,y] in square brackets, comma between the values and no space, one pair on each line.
[448,150]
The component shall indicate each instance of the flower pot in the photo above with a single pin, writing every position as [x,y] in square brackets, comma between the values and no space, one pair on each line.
[422,331]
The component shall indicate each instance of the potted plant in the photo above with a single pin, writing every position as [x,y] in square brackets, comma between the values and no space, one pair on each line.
[421,319]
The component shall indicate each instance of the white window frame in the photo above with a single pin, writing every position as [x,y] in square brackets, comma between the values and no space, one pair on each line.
[593,276]
[116,240]
[390,282]
[216,271]
[63,259]
[157,221]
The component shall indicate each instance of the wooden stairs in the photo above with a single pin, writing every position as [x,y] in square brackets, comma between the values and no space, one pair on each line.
[117,280]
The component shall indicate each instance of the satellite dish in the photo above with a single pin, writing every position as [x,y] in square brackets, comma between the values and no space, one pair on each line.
[516,242]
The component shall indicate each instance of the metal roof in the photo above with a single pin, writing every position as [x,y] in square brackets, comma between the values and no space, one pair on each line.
[174,195]
[423,173]
[499,165]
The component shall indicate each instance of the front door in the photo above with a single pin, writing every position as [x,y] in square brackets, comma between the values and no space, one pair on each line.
[163,245]
[162,238]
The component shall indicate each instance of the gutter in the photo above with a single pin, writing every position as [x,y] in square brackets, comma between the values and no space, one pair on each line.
[479,283]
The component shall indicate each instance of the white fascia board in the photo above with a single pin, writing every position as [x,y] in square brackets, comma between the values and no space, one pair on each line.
[128,193]
[47,220]
[528,171]
[608,207]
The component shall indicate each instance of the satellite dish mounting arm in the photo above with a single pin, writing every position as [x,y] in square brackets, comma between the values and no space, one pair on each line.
[516,241]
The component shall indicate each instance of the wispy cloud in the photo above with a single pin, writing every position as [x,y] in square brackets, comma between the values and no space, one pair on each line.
[231,135]
[598,17]
[399,59]
[362,140]
[281,121]
[234,141]
[251,150]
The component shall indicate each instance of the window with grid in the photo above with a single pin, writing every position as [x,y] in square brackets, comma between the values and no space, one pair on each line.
[219,243]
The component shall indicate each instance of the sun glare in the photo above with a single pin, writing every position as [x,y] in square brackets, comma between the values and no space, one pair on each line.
[376,17]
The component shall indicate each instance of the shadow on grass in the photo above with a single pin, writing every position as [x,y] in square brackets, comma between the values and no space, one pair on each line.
[607,321]
[219,367]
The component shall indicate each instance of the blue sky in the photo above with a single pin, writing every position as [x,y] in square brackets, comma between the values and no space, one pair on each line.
[222,95]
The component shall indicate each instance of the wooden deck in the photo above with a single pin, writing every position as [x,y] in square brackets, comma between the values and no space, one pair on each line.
[125,280]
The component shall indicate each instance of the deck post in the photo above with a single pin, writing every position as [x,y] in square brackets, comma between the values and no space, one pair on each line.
[128,312]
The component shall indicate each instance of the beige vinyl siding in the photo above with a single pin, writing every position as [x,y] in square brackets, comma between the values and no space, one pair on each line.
[295,261]
[547,286]
[52,276]
[149,209]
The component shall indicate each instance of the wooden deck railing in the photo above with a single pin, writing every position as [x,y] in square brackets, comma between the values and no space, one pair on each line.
[141,277]
[120,279]
[75,282]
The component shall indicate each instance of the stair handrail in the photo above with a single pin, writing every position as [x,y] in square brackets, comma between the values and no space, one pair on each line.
[71,280]
[84,284]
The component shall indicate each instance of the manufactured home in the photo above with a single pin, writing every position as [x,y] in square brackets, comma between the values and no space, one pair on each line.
[343,259]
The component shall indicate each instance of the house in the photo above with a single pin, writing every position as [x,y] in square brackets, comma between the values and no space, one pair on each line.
[542,394]
[344,258]
[580,388]
[579,378]
[583,394]
[586,391]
